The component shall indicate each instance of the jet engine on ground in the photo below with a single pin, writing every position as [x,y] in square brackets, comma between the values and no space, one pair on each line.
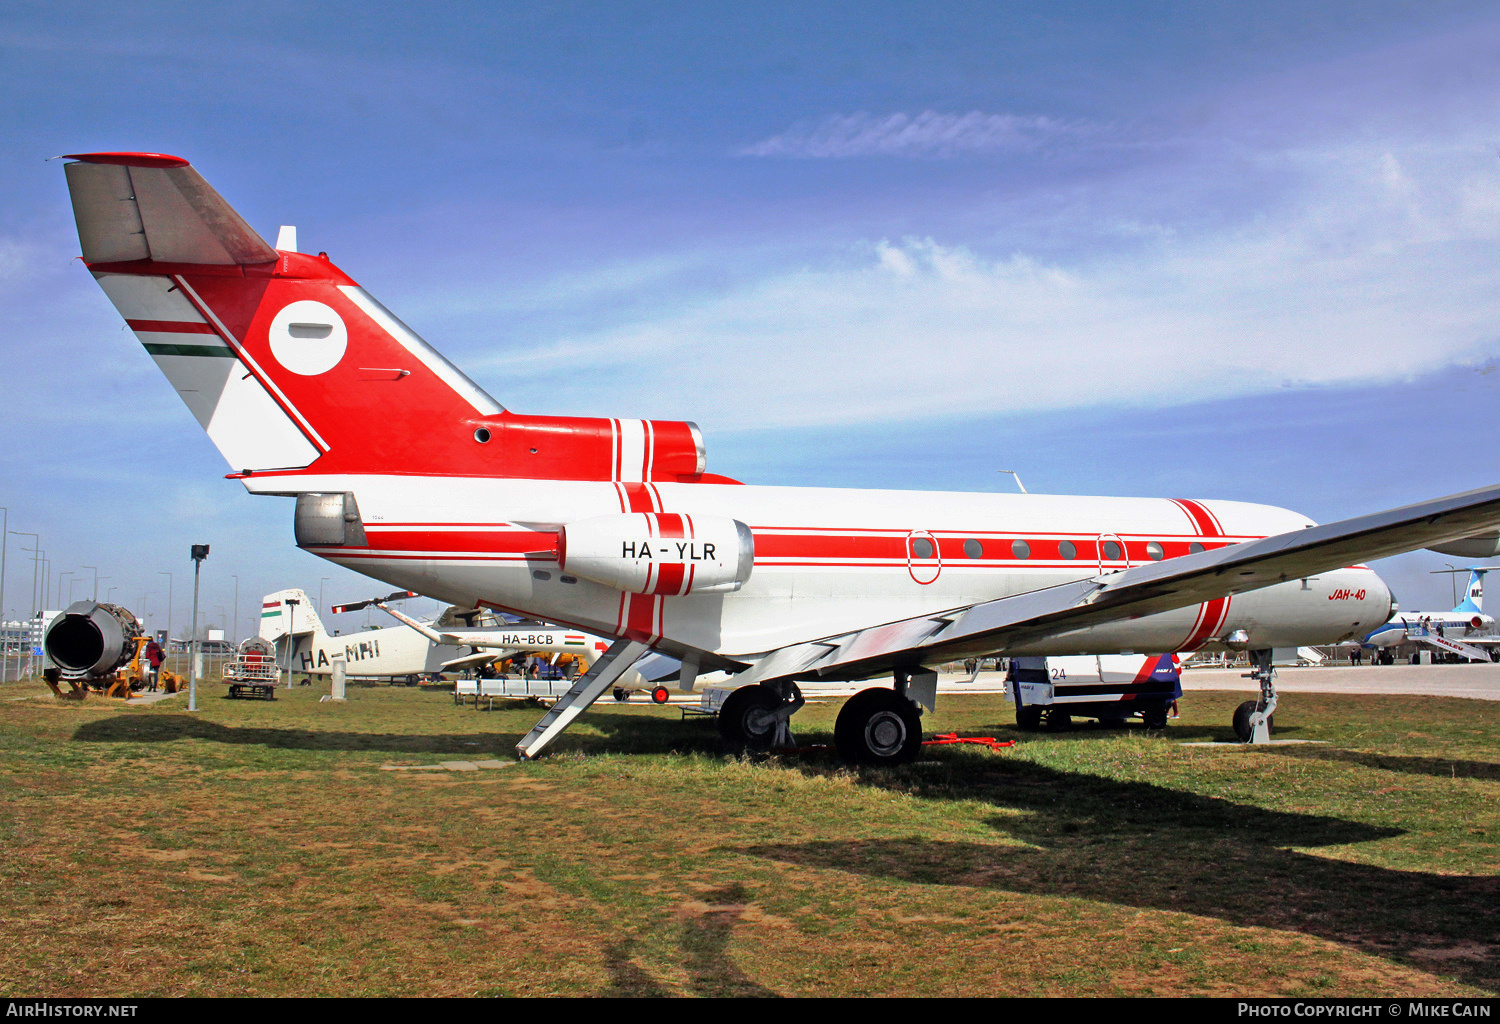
[99,646]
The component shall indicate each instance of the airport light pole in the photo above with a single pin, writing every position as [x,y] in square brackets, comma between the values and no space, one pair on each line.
[96,578]
[4,535]
[236,630]
[30,638]
[199,553]
[169,606]
[1453,583]
[33,562]
[291,636]
[60,590]
[322,608]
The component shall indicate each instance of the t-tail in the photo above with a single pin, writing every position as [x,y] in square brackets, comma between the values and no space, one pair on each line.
[1474,597]
[293,369]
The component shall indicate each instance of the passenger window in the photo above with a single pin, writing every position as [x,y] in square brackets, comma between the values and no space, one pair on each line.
[1194,548]
[1020,549]
[921,547]
[1067,549]
[1154,551]
[973,549]
[1111,551]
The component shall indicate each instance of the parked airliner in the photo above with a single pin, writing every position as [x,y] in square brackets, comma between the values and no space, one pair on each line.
[406,470]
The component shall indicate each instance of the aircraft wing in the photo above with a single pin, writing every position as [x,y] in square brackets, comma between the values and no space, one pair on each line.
[489,638]
[468,661]
[981,629]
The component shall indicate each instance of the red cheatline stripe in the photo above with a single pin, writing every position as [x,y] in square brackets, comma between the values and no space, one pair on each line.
[171,327]
[642,618]
[1212,616]
[1205,520]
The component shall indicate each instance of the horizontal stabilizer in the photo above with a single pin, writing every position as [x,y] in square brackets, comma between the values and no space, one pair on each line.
[146,206]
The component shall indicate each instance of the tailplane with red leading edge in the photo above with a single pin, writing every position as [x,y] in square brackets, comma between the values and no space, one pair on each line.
[292,368]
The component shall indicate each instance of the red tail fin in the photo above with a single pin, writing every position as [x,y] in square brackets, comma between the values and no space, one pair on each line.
[292,367]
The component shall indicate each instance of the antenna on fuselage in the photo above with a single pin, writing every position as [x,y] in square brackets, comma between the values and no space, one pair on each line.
[1018,479]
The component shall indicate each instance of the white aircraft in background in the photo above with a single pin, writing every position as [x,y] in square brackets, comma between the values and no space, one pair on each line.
[405,470]
[1455,632]
[464,639]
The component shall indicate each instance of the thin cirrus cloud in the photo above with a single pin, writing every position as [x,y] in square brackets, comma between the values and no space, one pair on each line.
[1376,267]
[928,134]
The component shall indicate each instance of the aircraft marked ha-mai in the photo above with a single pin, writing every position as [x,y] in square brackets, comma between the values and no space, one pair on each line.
[404,469]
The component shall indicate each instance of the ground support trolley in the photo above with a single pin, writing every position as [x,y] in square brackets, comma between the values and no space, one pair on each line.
[1050,692]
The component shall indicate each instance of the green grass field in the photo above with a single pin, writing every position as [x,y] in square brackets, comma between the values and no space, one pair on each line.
[259,848]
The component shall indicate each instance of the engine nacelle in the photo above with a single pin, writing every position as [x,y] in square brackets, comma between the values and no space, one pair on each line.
[659,553]
[1482,545]
[91,639]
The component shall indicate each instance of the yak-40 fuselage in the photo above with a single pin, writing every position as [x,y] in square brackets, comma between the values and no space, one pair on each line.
[406,470]
[827,561]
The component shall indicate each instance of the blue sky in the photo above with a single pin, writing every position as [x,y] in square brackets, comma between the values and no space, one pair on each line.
[1199,250]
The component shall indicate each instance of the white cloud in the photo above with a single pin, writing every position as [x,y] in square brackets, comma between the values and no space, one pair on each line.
[928,134]
[1379,267]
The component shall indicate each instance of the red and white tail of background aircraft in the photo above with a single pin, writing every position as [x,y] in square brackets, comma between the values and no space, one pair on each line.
[405,470]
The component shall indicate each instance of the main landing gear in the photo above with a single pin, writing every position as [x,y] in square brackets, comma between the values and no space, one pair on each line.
[757,718]
[878,726]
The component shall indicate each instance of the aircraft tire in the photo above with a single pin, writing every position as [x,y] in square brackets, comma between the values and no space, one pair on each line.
[621,694]
[660,695]
[1057,720]
[878,726]
[1242,720]
[745,720]
[1155,718]
[1029,719]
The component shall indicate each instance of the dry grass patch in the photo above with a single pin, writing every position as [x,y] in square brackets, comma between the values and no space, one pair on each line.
[258,849]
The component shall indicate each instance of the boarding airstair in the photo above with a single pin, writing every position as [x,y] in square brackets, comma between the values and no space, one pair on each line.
[1443,643]
[602,675]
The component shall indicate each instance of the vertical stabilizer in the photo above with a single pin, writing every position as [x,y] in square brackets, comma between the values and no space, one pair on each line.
[280,616]
[1474,597]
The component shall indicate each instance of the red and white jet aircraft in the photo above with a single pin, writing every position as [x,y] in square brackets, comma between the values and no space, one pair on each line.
[407,471]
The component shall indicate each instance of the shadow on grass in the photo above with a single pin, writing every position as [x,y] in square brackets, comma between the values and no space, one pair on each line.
[167,728]
[1141,845]
[1438,767]
[704,943]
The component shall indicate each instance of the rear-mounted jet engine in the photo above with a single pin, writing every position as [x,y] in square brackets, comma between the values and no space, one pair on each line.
[659,553]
